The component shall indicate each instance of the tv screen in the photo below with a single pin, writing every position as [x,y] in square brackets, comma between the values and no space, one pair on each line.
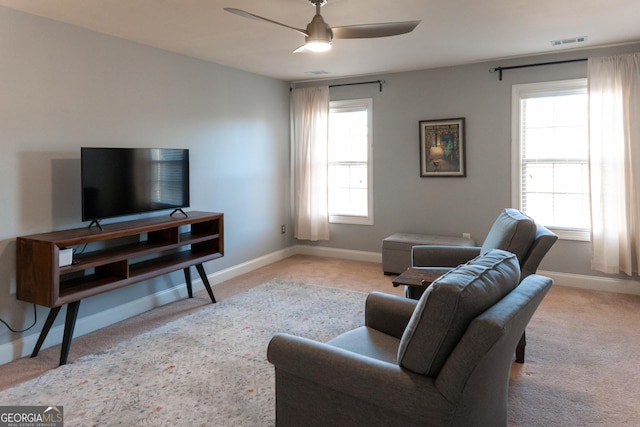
[126,181]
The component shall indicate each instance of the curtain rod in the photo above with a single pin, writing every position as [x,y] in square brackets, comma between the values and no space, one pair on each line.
[501,69]
[378,82]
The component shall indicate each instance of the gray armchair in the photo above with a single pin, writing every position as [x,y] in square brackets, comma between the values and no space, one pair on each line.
[442,360]
[512,231]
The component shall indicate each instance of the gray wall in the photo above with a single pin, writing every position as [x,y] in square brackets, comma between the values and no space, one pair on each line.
[62,87]
[405,202]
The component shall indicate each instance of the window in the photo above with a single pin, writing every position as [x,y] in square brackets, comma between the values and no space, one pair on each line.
[349,162]
[551,153]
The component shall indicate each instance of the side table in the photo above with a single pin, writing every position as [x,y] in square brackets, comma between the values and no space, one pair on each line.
[417,280]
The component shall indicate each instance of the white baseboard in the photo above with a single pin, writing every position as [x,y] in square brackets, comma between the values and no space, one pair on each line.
[593,283]
[23,346]
[338,253]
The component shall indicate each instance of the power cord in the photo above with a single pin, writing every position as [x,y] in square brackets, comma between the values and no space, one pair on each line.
[35,313]
[15,331]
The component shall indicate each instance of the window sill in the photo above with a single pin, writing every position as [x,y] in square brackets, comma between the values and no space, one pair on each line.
[572,234]
[353,220]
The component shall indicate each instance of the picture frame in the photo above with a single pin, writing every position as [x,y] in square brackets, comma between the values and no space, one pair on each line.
[442,148]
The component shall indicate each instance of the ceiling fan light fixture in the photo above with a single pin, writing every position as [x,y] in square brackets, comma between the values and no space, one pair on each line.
[317,45]
[319,34]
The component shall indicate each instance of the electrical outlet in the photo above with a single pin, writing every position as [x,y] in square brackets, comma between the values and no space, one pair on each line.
[283,229]
[466,235]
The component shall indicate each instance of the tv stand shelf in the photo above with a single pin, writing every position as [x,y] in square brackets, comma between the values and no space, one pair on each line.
[119,255]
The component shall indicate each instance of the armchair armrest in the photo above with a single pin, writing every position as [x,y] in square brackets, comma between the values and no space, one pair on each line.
[442,256]
[384,385]
[387,313]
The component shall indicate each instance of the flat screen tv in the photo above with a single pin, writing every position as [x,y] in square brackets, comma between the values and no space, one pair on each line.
[127,181]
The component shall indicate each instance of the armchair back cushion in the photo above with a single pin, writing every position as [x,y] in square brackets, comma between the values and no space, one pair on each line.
[512,231]
[451,302]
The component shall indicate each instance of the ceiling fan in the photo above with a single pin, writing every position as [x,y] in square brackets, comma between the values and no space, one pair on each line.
[318,34]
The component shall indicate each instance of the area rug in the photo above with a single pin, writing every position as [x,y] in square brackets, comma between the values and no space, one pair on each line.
[206,369]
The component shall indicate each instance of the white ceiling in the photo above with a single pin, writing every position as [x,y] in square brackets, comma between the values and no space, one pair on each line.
[452,32]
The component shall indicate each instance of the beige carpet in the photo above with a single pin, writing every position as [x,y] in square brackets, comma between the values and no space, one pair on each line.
[209,368]
[580,370]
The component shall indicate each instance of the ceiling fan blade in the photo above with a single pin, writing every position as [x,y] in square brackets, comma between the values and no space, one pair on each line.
[366,31]
[260,18]
[301,49]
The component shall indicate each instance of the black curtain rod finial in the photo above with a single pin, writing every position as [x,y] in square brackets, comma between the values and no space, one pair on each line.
[499,69]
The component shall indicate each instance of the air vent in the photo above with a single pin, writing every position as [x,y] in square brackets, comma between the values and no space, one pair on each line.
[317,73]
[568,41]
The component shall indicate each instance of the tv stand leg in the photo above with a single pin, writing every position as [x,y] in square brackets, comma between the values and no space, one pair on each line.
[53,313]
[187,279]
[97,223]
[69,326]
[205,281]
[179,210]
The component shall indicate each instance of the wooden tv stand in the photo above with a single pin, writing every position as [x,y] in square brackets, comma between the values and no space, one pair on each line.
[119,255]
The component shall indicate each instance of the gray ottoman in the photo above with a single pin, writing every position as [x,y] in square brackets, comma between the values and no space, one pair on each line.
[396,249]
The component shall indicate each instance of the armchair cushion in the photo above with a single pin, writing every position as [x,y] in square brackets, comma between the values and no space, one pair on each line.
[387,313]
[368,342]
[443,314]
[512,231]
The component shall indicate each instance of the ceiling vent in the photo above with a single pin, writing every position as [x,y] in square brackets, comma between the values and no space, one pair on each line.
[568,41]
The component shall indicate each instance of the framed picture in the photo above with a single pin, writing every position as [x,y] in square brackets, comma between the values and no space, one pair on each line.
[442,150]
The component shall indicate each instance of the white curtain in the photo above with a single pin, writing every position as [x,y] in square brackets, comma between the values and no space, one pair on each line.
[310,113]
[614,141]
